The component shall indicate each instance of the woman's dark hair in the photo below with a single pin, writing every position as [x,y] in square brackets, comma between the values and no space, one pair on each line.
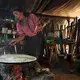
[20,9]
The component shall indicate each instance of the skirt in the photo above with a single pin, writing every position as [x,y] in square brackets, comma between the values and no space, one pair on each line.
[34,45]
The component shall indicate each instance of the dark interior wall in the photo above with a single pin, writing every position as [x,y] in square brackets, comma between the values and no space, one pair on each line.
[3,3]
[5,6]
[16,2]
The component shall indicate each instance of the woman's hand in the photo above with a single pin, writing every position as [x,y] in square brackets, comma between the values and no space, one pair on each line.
[13,42]
[17,40]
[38,28]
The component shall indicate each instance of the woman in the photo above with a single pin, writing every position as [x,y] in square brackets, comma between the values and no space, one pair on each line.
[30,30]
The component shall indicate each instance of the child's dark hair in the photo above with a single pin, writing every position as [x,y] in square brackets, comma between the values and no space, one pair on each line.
[20,9]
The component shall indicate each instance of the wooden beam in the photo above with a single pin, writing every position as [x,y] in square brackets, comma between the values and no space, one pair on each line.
[52,16]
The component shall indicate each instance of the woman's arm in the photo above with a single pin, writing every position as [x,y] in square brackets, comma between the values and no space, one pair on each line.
[17,40]
[38,25]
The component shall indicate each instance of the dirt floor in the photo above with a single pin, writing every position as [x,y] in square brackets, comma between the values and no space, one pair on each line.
[67,77]
[60,75]
[62,71]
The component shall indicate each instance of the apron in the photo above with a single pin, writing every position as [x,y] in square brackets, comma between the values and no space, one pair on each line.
[34,45]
